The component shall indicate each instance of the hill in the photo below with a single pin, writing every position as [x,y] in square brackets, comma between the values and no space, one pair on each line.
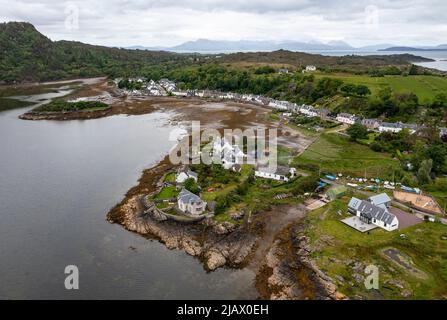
[27,55]
[397,49]
[350,63]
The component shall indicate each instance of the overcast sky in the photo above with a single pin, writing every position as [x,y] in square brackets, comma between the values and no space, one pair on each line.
[170,22]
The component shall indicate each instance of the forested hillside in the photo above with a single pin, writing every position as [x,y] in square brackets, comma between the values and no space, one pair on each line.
[27,55]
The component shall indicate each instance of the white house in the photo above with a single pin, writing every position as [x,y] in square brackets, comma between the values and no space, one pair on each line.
[281,105]
[397,127]
[228,154]
[168,85]
[442,132]
[372,214]
[280,173]
[346,118]
[308,111]
[371,124]
[310,68]
[180,93]
[184,175]
[155,89]
[190,203]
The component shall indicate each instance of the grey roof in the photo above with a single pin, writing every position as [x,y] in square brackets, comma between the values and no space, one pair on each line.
[280,170]
[371,211]
[399,125]
[192,174]
[372,121]
[354,203]
[186,196]
[379,199]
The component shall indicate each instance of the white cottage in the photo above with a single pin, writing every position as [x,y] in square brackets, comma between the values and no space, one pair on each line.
[279,173]
[372,214]
[229,154]
[184,175]
[347,118]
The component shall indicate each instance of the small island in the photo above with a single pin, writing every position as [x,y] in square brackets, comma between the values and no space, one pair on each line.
[68,110]
[69,106]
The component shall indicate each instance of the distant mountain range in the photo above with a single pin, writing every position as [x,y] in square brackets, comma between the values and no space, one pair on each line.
[216,46]
[205,45]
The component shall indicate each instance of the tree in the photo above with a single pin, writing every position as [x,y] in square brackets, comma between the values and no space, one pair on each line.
[362,90]
[357,131]
[440,101]
[265,70]
[192,186]
[305,184]
[425,171]
[413,70]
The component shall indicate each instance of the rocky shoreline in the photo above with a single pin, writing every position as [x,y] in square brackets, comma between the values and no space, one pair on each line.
[285,270]
[290,273]
[216,245]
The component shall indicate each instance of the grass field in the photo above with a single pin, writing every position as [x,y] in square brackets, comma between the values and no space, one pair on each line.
[342,253]
[166,193]
[425,87]
[336,154]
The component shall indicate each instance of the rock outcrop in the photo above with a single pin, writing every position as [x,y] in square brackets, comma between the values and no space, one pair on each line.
[216,244]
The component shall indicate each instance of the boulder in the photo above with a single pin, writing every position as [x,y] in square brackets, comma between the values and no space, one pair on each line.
[214,260]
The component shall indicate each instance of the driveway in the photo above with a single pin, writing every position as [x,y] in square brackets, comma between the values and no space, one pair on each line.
[405,219]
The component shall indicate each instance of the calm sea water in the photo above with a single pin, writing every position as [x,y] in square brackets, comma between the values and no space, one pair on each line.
[57,182]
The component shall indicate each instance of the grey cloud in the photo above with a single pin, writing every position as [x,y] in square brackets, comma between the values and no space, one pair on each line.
[161,22]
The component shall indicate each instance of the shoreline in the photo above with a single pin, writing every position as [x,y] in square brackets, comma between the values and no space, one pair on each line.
[280,261]
[122,108]
[215,245]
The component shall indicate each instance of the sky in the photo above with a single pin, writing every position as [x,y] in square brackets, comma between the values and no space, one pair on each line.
[154,23]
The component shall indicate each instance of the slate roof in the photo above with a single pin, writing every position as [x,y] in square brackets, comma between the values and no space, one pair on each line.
[279,170]
[371,211]
[186,196]
[345,115]
[192,174]
[379,199]
[399,125]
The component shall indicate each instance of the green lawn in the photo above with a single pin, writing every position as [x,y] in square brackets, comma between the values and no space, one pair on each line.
[170,177]
[370,139]
[284,155]
[339,247]
[166,193]
[425,87]
[337,154]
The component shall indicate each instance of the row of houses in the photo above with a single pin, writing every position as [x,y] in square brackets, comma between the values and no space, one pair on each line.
[166,87]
